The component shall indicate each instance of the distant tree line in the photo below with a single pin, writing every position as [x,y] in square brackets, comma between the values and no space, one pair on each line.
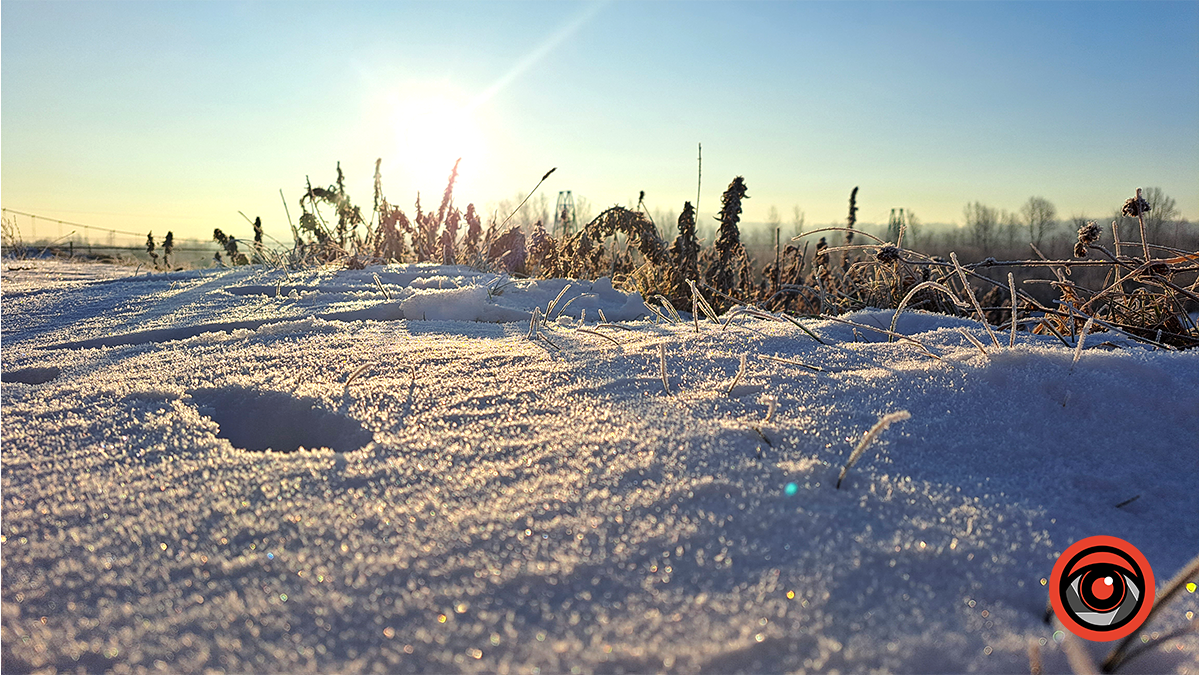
[989,231]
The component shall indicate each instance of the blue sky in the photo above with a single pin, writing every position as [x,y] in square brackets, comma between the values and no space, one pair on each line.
[178,115]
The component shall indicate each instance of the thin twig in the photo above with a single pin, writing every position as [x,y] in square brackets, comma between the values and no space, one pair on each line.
[666,304]
[547,339]
[533,323]
[1047,326]
[561,311]
[797,324]
[1127,502]
[535,187]
[606,337]
[791,362]
[840,229]
[884,331]
[772,403]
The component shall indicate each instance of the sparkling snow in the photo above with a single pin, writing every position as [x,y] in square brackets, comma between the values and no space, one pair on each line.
[466,498]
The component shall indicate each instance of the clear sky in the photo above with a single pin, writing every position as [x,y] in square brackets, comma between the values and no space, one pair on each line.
[176,115]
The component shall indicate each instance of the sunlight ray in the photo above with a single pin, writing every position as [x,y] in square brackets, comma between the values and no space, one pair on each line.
[533,57]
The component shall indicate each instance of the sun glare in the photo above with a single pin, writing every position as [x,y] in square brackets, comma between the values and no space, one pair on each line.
[431,131]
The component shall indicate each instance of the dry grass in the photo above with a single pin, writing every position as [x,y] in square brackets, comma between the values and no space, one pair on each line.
[1147,298]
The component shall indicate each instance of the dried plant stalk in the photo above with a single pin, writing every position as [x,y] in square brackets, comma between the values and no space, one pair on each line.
[1087,326]
[379,285]
[973,341]
[606,337]
[1121,654]
[662,366]
[791,362]
[357,371]
[738,377]
[772,404]
[971,294]
[704,306]
[1077,656]
[1012,292]
[868,438]
[916,289]
[550,315]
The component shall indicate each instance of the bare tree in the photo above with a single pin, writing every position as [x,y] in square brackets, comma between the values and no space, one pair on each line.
[1163,214]
[1038,214]
[797,220]
[665,219]
[981,223]
[912,227]
[1010,228]
[583,210]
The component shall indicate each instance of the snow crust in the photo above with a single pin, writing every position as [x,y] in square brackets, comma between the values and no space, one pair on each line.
[503,504]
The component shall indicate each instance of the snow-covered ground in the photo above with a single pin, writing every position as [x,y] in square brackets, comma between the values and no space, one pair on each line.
[497,503]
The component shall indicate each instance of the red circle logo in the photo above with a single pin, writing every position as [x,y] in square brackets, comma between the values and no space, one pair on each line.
[1102,588]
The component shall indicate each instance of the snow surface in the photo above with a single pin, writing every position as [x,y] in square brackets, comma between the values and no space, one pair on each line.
[498,503]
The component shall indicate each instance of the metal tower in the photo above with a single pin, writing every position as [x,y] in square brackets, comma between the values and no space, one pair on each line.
[564,215]
[895,224]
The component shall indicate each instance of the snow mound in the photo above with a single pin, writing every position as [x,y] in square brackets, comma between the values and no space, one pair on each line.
[459,304]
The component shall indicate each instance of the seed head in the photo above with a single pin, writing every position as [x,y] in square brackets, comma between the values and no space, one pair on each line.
[888,254]
[1089,233]
[1135,206]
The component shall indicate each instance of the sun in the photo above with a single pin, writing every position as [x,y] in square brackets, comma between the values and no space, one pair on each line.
[430,130]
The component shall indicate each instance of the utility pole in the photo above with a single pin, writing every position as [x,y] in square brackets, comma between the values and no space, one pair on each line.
[564,214]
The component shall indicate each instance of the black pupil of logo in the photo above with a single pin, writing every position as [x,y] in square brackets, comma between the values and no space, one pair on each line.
[1102,596]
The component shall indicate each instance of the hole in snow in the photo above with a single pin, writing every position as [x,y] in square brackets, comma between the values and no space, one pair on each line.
[268,420]
[32,375]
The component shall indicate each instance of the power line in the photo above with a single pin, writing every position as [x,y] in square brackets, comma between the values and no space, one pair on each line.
[67,222]
[105,229]
[102,247]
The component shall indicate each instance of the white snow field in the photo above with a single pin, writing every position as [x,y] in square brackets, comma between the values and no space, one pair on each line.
[471,498]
